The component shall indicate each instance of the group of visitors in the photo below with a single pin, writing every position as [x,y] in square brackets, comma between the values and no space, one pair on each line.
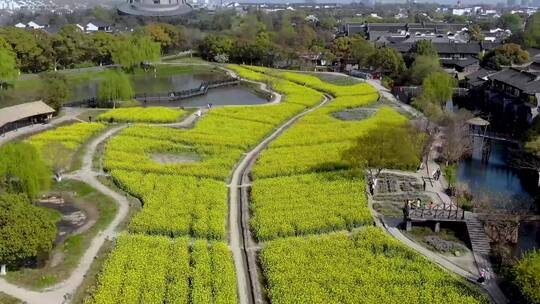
[417,204]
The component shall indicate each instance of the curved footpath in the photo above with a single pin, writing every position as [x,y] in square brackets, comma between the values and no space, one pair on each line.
[491,287]
[62,292]
[249,290]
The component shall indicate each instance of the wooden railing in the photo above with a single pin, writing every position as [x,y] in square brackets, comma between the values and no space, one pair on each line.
[441,212]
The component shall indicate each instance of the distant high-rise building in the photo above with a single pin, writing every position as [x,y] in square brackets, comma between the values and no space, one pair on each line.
[510,3]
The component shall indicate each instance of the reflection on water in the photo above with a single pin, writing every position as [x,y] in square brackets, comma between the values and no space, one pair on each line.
[236,95]
[504,186]
[149,83]
[494,179]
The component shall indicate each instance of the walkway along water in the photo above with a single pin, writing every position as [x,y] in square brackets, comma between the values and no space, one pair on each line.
[437,188]
[480,254]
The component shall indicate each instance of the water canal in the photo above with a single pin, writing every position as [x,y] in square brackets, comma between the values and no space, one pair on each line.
[504,187]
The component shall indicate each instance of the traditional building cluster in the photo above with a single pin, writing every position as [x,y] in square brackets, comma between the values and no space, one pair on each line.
[456,51]
[512,94]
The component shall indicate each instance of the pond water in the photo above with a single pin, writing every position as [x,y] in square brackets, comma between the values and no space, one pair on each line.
[233,95]
[150,83]
[503,186]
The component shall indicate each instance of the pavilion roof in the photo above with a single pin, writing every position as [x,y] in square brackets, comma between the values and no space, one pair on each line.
[22,111]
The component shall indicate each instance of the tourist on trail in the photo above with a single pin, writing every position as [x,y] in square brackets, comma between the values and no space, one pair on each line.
[482,278]
[198,113]
[424,184]
[418,202]
[406,208]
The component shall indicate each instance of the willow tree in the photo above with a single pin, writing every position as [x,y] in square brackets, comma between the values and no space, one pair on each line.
[8,63]
[438,87]
[131,50]
[23,170]
[58,157]
[27,230]
[114,86]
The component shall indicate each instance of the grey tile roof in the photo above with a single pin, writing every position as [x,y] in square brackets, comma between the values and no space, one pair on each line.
[526,81]
[458,48]
[460,62]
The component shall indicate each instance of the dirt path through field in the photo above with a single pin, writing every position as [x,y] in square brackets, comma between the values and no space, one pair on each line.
[239,233]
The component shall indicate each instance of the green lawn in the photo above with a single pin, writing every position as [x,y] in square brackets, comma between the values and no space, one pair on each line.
[74,246]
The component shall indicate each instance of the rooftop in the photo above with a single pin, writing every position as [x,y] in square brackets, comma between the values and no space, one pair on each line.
[22,111]
[526,81]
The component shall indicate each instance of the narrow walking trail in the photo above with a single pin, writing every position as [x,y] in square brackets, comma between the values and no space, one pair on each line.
[437,189]
[61,293]
[238,216]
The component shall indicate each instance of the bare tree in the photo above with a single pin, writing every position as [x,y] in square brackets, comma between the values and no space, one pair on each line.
[457,143]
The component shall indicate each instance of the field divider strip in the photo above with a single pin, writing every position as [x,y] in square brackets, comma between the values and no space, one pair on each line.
[249,290]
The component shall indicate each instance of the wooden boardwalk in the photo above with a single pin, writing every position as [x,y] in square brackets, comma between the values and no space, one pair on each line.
[480,244]
[179,95]
[165,96]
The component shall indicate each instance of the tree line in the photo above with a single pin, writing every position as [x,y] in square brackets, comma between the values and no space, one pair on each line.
[35,50]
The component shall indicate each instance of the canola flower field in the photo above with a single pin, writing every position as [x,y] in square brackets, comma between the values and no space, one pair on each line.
[308,210]
[366,267]
[303,191]
[185,200]
[71,137]
[140,114]
[150,269]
